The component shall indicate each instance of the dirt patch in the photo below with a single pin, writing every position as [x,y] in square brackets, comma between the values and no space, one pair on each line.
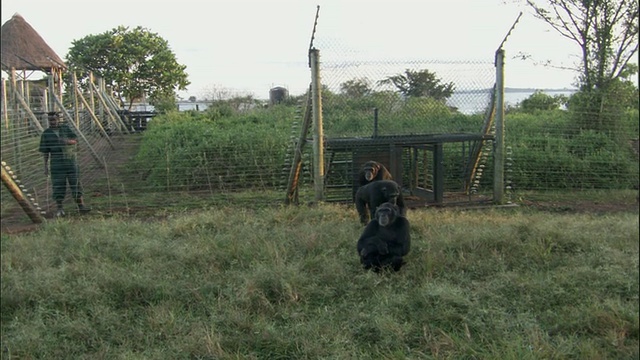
[19,229]
[581,206]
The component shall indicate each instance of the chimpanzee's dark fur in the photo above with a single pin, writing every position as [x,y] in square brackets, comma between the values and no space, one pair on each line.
[385,240]
[371,195]
[372,171]
[369,172]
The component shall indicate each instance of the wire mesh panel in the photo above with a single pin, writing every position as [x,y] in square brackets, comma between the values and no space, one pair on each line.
[430,121]
[367,100]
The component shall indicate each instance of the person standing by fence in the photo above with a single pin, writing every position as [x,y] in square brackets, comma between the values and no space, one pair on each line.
[58,144]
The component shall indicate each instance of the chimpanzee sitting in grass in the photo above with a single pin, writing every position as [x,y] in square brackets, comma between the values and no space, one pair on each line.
[385,240]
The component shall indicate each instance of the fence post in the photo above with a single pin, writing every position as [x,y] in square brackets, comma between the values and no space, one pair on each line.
[52,92]
[318,137]
[498,144]
[5,107]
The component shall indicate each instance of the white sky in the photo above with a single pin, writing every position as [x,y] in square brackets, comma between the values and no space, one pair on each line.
[252,45]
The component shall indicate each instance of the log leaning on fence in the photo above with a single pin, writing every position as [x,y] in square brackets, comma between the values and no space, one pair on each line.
[114,118]
[296,164]
[95,119]
[32,116]
[17,194]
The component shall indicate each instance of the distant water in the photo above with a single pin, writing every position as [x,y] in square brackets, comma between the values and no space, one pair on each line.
[477,102]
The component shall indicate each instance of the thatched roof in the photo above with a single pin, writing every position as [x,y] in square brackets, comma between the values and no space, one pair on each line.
[24,49]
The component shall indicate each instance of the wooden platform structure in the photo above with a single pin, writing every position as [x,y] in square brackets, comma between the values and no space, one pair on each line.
[416,162]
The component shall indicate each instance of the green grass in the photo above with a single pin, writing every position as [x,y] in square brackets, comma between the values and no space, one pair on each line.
[212,284]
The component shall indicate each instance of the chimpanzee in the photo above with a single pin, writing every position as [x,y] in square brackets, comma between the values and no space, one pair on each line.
[385,240]
[371,171]
[375,193]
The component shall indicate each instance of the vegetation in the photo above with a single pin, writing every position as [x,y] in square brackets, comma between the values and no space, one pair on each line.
[214,149]
[135,63]
[227,147]
[420,83]
[501,284]
[607,33]
[356,88]
[541,101]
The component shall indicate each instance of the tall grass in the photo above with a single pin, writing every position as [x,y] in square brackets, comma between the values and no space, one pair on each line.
[285,283]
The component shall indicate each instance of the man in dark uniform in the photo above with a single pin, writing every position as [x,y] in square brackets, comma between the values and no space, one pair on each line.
[58,144]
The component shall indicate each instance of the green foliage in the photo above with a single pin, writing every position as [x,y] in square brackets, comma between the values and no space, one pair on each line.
[541,101]
[494,284]
[547,155]
[599,110]
[346,116]
[223,149]
[134,63]
[356,88]
[606,31]
[180,149]
[422,83]
[165,103]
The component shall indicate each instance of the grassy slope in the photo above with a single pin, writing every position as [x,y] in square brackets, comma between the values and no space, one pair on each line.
[212,284]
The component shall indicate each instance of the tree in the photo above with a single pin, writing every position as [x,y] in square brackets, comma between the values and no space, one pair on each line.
[356,88]
[607,33]
[421,83]
[134,63]
[605,30]
[541,101]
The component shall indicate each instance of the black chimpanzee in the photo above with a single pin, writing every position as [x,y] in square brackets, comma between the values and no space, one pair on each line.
[371,171]
[385,240]
[375,193]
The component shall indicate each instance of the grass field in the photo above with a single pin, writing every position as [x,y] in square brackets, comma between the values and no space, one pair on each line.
[285,283]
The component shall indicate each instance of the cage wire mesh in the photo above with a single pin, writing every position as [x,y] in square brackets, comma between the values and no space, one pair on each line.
[238,149]
[359,102]
[104,144]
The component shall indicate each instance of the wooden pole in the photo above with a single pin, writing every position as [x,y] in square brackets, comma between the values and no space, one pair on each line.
[318,137]
[30,114]
[296,164]
[59,72]
[498,154]
[76,104]
[16,122]
[91,95]
[5,108]
[45,102]
[52,92]
[27,93]
[95,119]
[17,194]
[114,118]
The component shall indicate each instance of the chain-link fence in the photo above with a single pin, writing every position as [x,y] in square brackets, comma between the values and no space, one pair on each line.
[428,121]
[431,122]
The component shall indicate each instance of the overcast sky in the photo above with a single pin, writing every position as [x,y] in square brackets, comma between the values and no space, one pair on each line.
[252,45]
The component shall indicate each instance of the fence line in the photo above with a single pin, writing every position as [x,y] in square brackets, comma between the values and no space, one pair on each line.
[234,150]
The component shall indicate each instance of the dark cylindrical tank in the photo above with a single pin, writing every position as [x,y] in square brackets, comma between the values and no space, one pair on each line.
[277,95]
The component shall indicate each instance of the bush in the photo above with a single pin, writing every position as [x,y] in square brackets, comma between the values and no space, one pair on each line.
[195,152]
[247,150]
